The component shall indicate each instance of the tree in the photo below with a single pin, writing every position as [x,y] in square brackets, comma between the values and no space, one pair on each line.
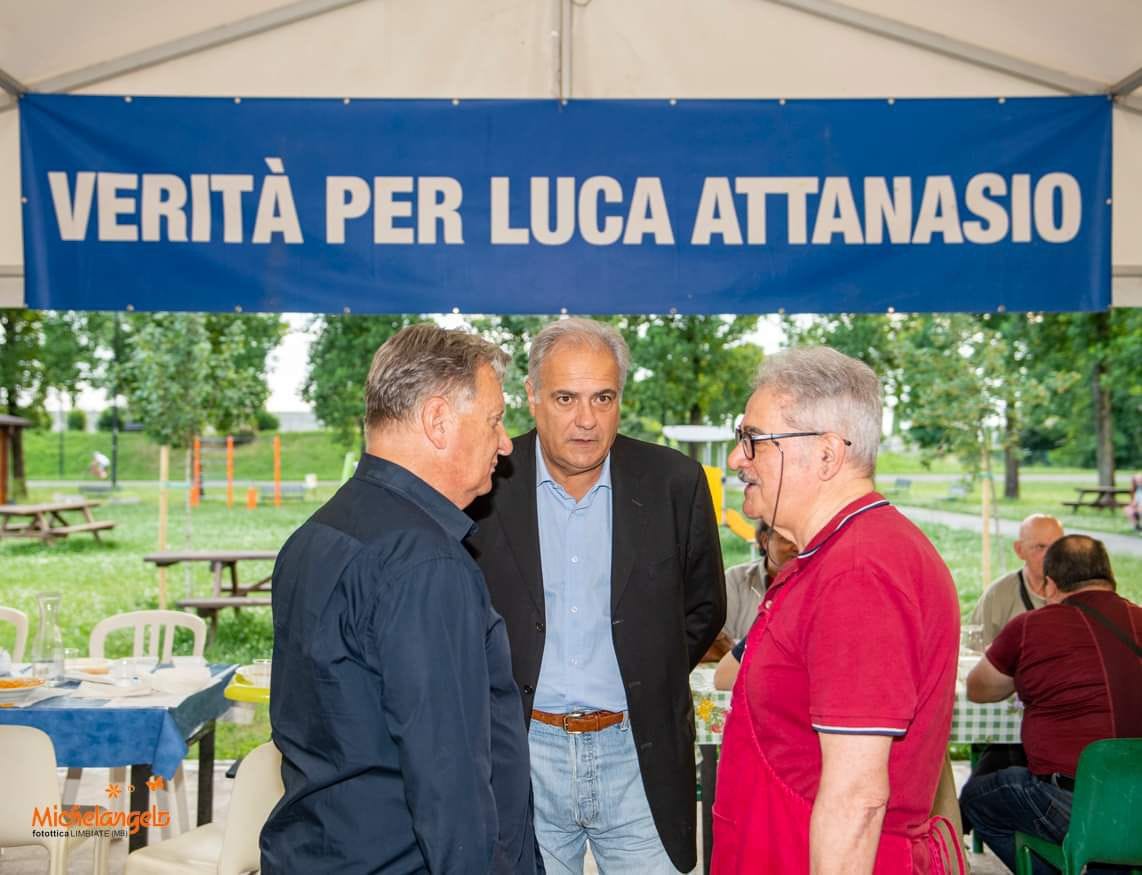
[688,369]
[20,373]
[339,361]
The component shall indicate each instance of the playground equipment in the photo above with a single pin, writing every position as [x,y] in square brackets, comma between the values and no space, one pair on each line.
[196,486]
[714,452]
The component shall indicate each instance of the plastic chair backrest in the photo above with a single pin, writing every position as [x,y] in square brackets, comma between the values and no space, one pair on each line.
[28,764]
[20,620]
[1106,813]
[257,790]
[154,632]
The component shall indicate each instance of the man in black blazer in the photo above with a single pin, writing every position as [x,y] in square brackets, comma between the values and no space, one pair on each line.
[602,555]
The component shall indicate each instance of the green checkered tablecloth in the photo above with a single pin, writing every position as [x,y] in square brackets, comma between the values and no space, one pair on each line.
[997,723]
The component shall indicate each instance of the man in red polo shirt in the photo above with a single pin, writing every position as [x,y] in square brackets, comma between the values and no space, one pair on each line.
[1076,665]
[842,711]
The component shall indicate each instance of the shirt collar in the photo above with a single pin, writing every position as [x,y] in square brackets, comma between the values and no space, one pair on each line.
[543,475]
[392,476]
[842,518]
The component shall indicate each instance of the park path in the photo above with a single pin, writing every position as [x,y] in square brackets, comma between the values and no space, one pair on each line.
[1118,545]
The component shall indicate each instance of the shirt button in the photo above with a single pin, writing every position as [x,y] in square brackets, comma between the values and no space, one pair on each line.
[539,627]
[574,610]
[768,604]
[528,690]
[574,560]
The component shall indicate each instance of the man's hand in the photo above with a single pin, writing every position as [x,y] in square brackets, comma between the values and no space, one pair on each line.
[844,830]
[722,645]
[986,683]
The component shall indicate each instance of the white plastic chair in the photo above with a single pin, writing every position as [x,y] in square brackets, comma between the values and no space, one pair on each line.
[227,848]
[153,631]
[153,635]
[20,620]
[28,764]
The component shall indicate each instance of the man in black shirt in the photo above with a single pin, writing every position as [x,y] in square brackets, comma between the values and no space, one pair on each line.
[392,699]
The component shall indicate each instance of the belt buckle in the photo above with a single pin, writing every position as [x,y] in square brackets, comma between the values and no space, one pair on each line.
[572,715]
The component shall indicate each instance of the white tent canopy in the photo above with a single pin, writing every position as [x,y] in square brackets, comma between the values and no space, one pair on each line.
[580,49]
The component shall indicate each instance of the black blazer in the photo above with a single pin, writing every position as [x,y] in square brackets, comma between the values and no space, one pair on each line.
[668,602]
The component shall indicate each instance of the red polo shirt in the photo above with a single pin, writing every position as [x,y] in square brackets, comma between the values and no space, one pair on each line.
[1058,657]
[862,639]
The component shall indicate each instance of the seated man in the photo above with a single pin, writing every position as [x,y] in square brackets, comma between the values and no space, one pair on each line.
[1022,589]
[1075,664]
[744,585]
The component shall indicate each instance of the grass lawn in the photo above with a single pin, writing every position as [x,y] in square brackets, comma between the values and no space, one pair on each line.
[303,452]
[1034,497]
[100,579]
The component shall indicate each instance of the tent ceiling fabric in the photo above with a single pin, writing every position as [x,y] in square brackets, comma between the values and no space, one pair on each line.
[618,48]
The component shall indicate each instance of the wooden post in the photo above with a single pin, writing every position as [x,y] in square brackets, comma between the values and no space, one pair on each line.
[164,475]
[195,472]
[251,498]
[277,470]
[985,513]
[3,464]
[229,471]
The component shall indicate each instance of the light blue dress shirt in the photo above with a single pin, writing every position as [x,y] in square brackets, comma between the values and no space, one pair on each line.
[580,670]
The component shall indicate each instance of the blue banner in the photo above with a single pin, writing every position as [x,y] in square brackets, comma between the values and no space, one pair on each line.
[506,206]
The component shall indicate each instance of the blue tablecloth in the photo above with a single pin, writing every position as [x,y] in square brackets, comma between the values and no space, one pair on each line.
[93,732]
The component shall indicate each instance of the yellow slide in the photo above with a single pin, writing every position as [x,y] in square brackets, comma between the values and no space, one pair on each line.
[739,525]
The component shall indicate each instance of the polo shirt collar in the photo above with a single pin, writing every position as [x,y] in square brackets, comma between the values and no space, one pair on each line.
[392,476]
[843,517]
[543,475]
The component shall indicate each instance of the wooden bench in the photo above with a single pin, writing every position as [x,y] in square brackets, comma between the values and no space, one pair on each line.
[97,526]
[208,608]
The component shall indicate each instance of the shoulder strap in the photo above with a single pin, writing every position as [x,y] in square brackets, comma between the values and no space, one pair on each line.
[1027,603]
[1101,618]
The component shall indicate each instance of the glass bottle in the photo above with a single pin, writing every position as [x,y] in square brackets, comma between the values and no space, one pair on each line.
[47,652]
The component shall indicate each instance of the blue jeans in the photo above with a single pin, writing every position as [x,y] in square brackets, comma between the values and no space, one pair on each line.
[588,787]
[999,804]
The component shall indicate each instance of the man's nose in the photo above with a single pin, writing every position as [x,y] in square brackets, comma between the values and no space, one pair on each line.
[505,447]
[737,458]
[585,414]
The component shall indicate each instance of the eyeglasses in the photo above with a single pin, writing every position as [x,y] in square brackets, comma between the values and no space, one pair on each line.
[747,439]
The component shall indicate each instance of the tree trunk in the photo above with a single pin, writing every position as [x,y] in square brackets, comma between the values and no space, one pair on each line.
[19,477]
[1011,453]
[694,448]
[1100,402]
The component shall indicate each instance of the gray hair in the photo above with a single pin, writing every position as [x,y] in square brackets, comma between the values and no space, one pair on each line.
[824,390]
[581,332]
[421,361]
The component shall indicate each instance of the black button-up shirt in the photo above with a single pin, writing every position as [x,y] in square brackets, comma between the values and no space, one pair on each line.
[392,698]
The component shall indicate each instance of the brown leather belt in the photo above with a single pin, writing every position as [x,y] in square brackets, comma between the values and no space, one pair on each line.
[580,721]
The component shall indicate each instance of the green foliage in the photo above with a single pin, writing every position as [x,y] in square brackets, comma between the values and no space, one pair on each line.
[339,361]
[688,370]
[76,420]
[189,371]
[107,415]
[266,421]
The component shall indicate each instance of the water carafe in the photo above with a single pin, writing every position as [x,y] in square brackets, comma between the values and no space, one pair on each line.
[47,652]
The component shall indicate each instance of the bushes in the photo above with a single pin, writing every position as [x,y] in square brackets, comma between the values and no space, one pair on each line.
[76,420]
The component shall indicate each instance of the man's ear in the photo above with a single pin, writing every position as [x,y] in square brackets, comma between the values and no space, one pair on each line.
[434,417]
[1017,546]
[531,398]
[831,455]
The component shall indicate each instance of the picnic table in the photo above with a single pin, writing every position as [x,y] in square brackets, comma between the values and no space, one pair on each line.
[46,521]
[1100,497]
[220,561]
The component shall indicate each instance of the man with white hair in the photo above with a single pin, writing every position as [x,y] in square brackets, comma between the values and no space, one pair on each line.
[1022,589]
[392,699]
[842,711]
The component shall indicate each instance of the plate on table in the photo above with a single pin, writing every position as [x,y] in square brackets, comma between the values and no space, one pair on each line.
[89,668]
[14,689]
[254,675]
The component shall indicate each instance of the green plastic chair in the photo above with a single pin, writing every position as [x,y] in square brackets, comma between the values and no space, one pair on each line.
[1106,815]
